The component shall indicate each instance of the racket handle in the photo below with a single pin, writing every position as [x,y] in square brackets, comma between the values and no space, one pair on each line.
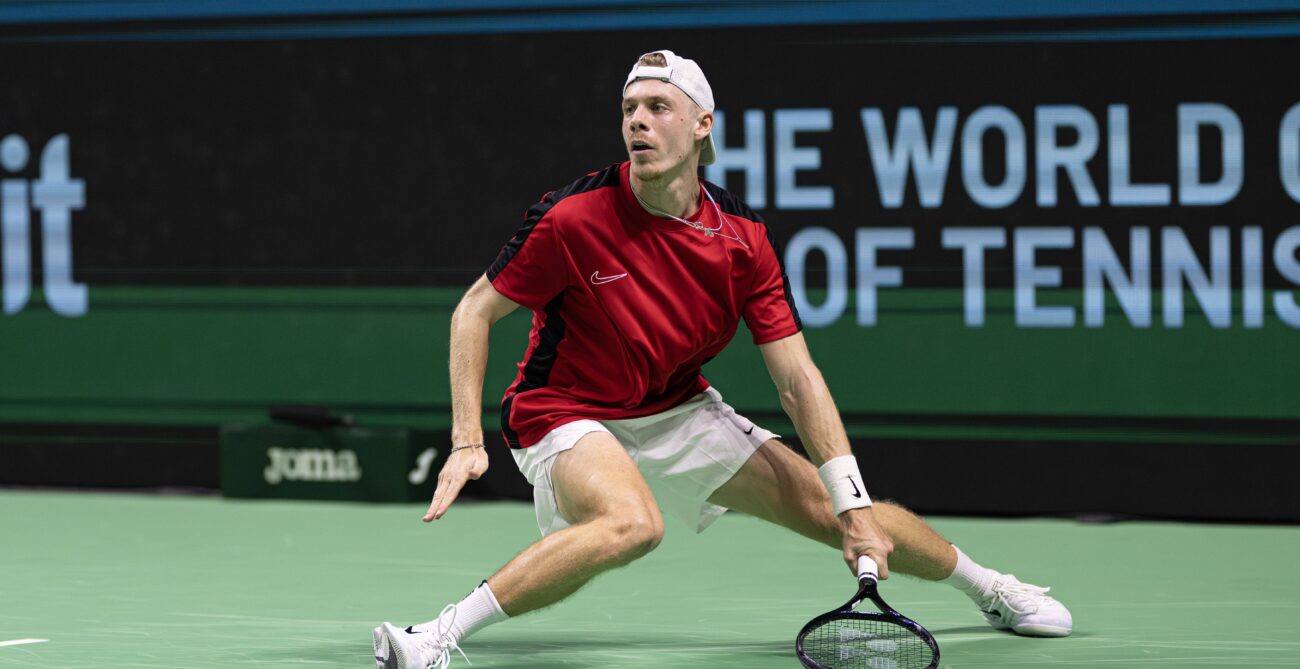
[867,568]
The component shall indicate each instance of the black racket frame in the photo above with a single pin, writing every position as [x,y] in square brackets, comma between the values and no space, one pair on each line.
[887,614]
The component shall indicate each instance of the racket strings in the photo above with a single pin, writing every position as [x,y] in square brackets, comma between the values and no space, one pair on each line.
[865,643]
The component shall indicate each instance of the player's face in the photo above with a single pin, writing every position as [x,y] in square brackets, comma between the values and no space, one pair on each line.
[661,128]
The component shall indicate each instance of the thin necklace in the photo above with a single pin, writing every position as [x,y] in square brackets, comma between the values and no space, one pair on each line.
[709,232]
[663,214]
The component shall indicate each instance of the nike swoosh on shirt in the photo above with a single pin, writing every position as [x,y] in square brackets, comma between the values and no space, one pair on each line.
[597,279]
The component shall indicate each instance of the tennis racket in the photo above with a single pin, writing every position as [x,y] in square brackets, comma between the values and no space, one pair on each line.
[848,639]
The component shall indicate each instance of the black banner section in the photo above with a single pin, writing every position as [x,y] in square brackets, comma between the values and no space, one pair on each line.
[1090,481]
[408,161]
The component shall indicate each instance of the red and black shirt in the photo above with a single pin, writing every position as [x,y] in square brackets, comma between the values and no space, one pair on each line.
[627,307]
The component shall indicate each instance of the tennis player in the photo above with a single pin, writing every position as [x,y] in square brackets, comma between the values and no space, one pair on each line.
[637,275]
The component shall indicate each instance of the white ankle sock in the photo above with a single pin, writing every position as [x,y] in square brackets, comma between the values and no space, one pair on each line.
[478,610]
[970,578]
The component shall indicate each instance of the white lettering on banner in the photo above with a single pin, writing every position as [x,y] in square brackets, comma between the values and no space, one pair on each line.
[1123,191]
[972,157]
[1252,277]
[55,195]
[973,242]
[910,149]
[1066,140]
[311,464]
[1288,142]
[1191,190]
[751,159]
[1030,276]
[1048,121]
[1212,291]
[1101,266]
[801,244]
[1066,143]
[1208,281]
[791,159]
[1284,259]
[871,276]
[928,158]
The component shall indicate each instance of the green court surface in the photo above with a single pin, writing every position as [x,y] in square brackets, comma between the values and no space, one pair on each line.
[159,581]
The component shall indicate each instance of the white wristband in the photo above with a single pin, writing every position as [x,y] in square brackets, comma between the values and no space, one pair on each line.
[842,478]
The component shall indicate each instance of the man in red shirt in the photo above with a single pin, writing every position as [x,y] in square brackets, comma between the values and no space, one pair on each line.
[637,275]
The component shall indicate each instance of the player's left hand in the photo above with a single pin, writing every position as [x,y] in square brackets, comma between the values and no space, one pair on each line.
[864,536]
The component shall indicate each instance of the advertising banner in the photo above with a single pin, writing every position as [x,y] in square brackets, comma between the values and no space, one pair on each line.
[1002,236]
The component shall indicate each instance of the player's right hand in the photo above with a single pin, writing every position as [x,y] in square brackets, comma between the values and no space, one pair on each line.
[463,465]
[863,535]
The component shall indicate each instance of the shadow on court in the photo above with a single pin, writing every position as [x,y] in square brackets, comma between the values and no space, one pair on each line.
[938,632]
[297,651]
[987,632]
[629,651]
[554,653]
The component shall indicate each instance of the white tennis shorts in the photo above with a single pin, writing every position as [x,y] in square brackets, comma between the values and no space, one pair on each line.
[684,453]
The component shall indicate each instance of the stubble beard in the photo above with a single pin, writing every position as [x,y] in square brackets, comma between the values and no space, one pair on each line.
[646,173]
[655,172]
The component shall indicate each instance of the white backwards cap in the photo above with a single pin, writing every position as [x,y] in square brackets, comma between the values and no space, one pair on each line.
[685,74]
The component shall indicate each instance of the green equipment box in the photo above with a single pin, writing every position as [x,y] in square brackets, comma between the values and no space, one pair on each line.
[334,463]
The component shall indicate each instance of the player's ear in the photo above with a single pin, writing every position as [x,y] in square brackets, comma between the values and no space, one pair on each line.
[703,125]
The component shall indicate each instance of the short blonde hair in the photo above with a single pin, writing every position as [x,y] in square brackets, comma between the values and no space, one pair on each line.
[655,59]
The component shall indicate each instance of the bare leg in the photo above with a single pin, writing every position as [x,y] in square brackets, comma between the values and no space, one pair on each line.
[614,520]
[780,486]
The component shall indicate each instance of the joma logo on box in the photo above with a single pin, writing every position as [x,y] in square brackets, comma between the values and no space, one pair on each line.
[311,464]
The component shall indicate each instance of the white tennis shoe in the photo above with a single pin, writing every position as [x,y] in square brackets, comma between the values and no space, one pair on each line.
[416,648]
[383,656]
[1025,609]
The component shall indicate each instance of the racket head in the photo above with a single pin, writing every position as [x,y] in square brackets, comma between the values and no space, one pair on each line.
[864,640]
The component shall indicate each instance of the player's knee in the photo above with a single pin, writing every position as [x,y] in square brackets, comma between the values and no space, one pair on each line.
[635,534]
